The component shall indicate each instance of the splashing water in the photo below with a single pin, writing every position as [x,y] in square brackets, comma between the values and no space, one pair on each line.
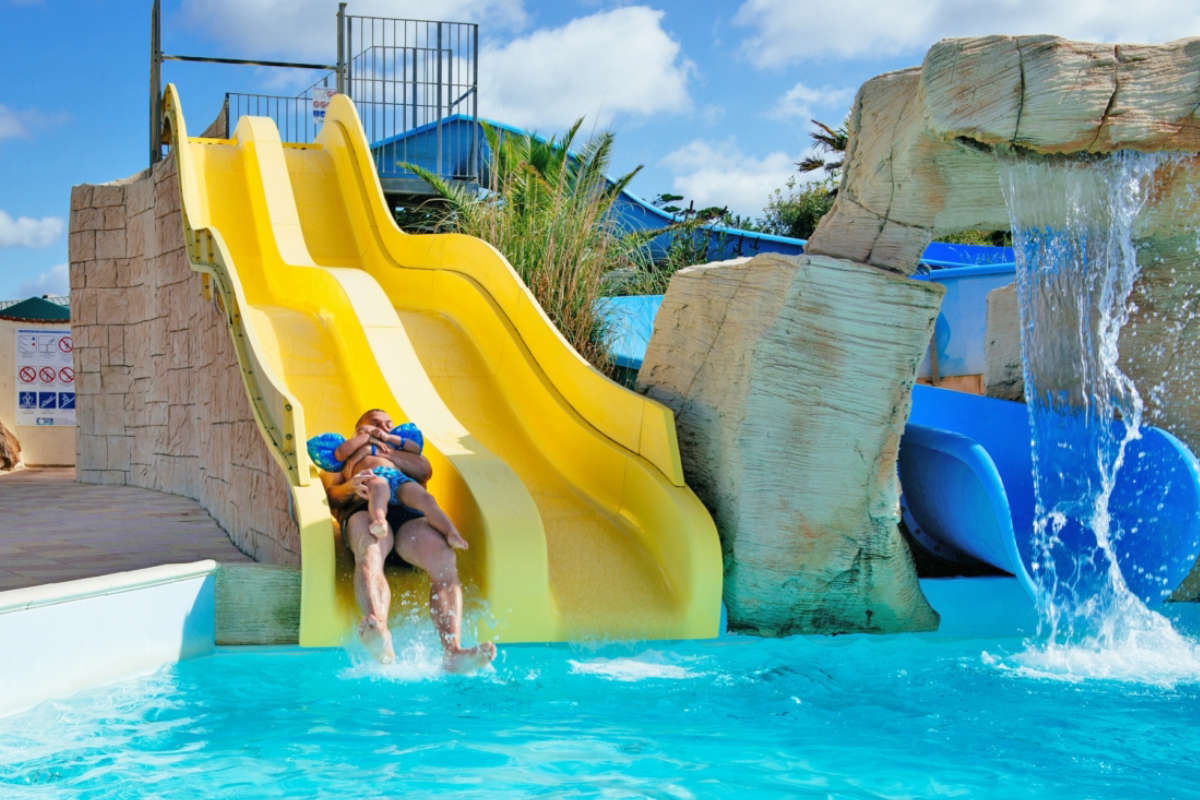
[1073,234]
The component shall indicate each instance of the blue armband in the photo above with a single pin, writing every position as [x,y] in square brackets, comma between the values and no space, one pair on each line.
[322,450]
[411,432]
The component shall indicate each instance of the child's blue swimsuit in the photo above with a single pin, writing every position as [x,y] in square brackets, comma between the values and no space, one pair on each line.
[395,479]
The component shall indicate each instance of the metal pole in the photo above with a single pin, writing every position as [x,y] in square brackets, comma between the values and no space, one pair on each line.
[476,158]
[438,56]
[155,84]
[341,53]
[349,57]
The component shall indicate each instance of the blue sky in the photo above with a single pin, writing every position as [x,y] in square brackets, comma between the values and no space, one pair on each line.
[712,98]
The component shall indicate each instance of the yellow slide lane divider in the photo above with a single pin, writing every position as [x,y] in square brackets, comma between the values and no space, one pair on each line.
[568,486]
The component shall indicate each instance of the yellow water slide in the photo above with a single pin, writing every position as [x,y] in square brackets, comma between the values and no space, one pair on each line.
[568,486]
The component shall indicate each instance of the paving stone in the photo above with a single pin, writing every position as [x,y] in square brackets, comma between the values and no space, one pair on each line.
[57,529]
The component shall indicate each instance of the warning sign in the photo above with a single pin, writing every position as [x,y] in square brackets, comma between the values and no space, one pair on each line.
[45,377]
[320,100]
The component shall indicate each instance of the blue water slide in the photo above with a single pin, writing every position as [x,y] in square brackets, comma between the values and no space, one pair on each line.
[960,330]
[966,473]
[630,322]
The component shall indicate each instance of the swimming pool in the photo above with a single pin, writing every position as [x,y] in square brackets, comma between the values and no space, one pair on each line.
[850,716]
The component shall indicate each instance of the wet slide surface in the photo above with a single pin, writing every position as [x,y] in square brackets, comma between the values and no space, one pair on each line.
[567,486]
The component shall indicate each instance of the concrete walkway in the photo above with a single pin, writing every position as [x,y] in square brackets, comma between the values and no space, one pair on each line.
[54,529]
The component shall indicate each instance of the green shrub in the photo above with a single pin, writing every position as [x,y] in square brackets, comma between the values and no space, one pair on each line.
[795,211]
[547,211]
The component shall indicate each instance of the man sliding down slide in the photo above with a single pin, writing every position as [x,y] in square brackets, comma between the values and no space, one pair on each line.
[352,471]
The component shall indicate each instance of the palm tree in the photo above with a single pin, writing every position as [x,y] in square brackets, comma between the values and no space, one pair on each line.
[831,140]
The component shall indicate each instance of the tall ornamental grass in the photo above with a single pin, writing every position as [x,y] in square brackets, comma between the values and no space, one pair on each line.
[549,212]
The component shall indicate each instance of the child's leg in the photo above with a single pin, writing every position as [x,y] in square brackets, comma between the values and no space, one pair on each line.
[413,495]
[379,493]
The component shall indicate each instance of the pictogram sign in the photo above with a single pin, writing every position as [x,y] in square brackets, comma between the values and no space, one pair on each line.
[45,376]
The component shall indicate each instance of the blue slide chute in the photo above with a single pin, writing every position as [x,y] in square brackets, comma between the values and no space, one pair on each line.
[966,472]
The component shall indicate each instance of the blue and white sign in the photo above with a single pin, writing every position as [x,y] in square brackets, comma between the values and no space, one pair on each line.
[320,100]
[45,377]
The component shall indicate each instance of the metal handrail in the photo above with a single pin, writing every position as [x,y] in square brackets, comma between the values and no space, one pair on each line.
[409,72]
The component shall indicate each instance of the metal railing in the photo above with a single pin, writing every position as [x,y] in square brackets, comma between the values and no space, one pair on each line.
[297,117]
[415,84]
[157,57]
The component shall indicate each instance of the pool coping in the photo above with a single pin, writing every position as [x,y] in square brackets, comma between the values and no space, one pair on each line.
[63,638]
[47,594]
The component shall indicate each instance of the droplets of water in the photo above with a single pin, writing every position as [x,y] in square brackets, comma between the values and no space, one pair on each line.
[1074,237]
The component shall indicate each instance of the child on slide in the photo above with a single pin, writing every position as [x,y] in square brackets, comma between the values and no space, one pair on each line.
[333,452]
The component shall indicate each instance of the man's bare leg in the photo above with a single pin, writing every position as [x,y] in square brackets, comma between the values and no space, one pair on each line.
[380,494]
[420,544]
[416,497]
[370,586]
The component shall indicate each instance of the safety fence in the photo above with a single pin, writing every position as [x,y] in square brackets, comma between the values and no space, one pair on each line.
[415,84]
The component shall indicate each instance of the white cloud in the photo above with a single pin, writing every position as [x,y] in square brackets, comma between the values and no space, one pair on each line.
[305,30]
[712,113]
[55,280]
[614,62]
[786,32]
[800,100]
[15,124]
[720,174]
[29,232]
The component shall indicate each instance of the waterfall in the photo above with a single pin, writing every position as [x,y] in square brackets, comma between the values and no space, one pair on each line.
[1073,224]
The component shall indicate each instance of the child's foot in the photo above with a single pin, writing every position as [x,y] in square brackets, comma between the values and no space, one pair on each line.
[455,540]
[377,529]
[462,660]
[376,637]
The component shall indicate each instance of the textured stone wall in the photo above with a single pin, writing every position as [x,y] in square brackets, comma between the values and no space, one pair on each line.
[791,381]
[921,160]
[160,399]
[1004,377]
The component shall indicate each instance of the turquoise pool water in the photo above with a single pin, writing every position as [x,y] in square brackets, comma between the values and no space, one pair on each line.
[844,717]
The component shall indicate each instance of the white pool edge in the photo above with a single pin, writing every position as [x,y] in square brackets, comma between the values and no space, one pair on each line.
[61,638]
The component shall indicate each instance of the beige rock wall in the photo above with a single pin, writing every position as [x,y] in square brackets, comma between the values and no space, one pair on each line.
[10,448]
[160,400]
[791,380]
[921,159]
[1003,376]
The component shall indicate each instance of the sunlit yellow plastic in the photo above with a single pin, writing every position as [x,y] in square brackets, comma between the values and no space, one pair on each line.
[568,486]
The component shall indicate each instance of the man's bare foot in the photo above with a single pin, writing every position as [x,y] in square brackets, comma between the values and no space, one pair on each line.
[463,660]
[455,540]
[378,529]
[376,637]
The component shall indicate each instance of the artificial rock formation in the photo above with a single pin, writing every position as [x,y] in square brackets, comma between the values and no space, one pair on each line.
[790,382]
[1003,376]
[923,141]
[10,448]
[924,159]
[791,388]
